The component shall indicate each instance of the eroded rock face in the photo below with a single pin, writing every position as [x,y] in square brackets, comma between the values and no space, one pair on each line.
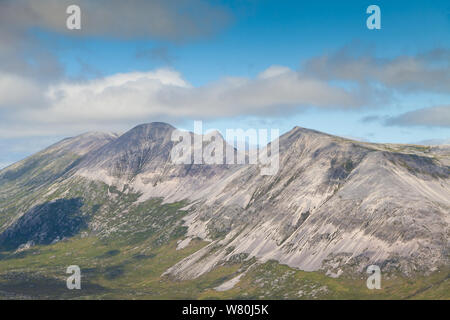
[334,205]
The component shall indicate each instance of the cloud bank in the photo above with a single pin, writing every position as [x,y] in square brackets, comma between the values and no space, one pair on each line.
[162,94]
[165,95]
[167,19]
[427,117]
[426,72]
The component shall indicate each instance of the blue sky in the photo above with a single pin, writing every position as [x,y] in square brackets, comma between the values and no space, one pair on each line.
[263,33]
[399,91]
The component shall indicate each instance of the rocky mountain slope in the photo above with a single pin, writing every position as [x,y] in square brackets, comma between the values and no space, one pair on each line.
[334,206]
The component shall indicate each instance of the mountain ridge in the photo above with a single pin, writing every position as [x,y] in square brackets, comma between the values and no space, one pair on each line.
[335,205]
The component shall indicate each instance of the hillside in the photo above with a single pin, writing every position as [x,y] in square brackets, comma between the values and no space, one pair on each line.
[138,224]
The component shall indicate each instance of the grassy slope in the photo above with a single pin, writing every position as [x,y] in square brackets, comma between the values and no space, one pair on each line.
[112,270]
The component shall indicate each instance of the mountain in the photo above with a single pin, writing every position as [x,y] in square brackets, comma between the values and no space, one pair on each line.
[334,204]
[120,206]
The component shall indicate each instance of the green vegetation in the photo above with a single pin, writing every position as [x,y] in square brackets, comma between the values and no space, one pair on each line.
[111,270]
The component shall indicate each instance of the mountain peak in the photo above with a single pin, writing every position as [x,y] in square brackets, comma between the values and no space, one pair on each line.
[148,131]
[82,143]
[303,130]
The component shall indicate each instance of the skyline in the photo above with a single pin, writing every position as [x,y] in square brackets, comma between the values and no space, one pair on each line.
[231,64]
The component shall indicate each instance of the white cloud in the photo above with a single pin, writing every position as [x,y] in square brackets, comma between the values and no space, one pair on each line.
[274,71]
[163,94]
[19,92]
